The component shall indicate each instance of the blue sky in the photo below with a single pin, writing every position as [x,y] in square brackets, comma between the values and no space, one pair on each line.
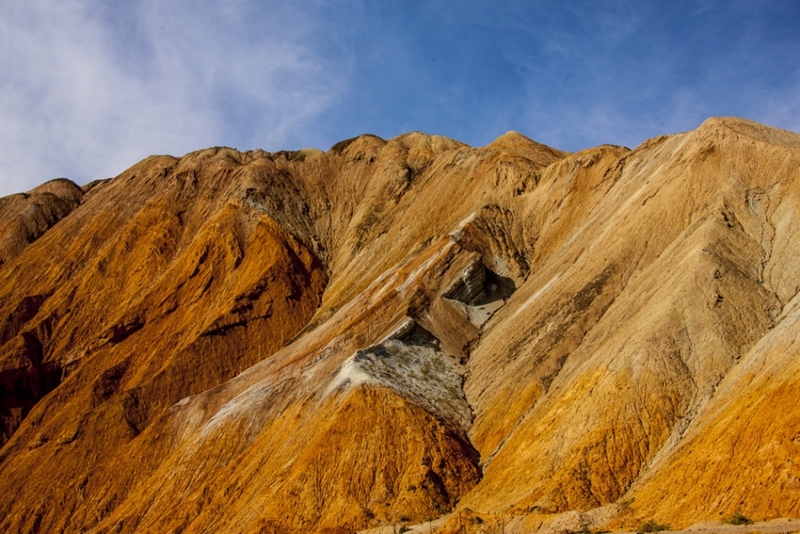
[90,87]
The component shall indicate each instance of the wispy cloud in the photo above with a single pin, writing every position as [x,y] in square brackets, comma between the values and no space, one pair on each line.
[648,70]
[89,87]
[88,91]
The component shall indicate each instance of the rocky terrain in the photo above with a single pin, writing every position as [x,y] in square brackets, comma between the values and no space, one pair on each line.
[506,337]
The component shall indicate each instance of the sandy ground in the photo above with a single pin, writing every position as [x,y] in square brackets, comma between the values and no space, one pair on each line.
[775,526]
[783,525]
[413,529]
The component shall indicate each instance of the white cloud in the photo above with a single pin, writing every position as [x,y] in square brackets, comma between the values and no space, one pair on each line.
[781,108]
[86,91]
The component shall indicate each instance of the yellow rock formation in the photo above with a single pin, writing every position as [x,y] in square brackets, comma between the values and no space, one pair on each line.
[404,330]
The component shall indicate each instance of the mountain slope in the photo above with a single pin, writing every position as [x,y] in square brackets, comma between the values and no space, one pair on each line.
[308,341]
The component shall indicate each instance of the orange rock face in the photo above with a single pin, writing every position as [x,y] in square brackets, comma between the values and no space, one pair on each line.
[395,330]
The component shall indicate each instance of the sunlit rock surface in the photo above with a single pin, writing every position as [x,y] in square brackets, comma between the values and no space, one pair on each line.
[396,331]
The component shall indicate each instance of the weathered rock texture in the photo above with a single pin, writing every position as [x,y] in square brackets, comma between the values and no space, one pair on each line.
[393,330]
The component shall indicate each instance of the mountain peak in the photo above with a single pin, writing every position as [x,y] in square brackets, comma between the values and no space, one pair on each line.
[397,331]
[516,143]
[721,126]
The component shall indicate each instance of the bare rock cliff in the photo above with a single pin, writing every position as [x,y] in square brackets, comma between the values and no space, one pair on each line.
[395,330]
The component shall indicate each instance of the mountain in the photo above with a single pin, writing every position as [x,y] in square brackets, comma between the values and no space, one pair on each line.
[394,331]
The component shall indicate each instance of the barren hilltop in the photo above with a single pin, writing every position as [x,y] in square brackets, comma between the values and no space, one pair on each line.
[391,332]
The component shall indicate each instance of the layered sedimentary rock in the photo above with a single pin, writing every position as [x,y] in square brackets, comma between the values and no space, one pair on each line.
[395,330]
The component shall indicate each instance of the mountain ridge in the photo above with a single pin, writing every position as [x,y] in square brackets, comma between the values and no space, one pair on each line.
[309,341]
